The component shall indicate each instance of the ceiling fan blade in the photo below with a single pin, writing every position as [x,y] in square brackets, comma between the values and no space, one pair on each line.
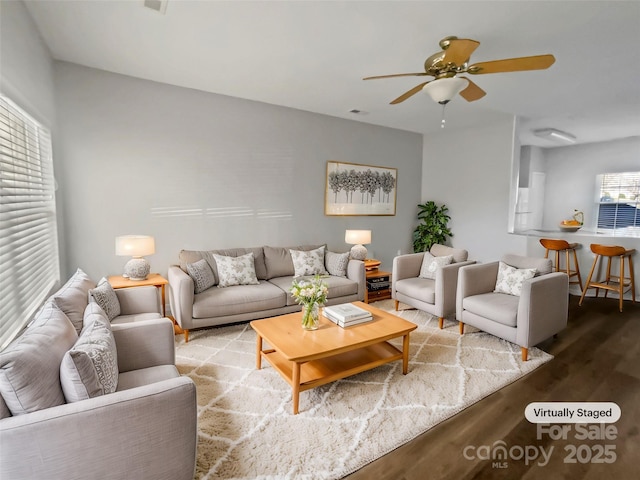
[408,94]
[537,62]
[397,75]
[473,92]
[459,50]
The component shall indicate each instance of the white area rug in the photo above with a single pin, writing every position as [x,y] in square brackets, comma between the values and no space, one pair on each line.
[245,421]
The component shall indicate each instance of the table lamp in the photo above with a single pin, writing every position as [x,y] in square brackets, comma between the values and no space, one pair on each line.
[135,246]
[358,238]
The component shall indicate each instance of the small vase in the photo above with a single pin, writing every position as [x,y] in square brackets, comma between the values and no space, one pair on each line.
[310,316]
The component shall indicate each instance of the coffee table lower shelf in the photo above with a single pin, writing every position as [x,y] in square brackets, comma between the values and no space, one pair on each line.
[314,373]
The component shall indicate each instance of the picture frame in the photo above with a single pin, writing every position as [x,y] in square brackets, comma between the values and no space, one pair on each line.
[355,189]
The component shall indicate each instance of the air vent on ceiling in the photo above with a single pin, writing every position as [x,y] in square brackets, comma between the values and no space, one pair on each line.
[157,5]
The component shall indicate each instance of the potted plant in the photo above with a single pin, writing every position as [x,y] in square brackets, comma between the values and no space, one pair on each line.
[433,228]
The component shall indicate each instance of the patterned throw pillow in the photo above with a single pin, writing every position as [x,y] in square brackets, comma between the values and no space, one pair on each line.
[337,263]
[90,368]
[105,296]
[430,265]
[236,270]
[201,274]
[308,263]
[510,279]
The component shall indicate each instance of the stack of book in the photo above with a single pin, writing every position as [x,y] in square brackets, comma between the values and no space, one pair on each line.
[347,314]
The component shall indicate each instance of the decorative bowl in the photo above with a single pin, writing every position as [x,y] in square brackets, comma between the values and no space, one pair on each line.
[570,228]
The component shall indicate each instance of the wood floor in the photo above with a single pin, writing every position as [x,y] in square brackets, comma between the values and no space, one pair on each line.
[597,359]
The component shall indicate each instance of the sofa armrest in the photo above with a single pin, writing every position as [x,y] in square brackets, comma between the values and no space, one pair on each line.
[144,432]
[138,300]
[446,286]
[543,308]
[143,344]
[356,272]
[474,280]
[181,294]
[406,266]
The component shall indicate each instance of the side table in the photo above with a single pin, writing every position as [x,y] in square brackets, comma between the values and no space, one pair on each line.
[378,286]
[153,279]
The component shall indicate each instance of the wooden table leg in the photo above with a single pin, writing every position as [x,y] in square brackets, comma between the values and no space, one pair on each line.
[405,354]
[164,308]
[258,352]
[295,394]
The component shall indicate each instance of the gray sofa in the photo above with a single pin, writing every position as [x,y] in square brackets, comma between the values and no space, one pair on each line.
[114,411]
[274,269]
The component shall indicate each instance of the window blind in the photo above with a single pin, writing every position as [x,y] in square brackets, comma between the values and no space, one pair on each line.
[619,199]
[29,264]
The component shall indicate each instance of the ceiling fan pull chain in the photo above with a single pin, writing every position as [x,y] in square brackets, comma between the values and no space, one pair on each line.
[443,120]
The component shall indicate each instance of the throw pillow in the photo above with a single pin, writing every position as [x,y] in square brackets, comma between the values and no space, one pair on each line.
[308,263]
[430,265]
[105,296]
[90,368]
[236,270]
[29,366]
[336,263]
[510,279]
[201,274]
[72,298]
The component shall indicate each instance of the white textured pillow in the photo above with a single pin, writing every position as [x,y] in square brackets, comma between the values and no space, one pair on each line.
[239,270]
[336,263]
[308,263]
[105,296]
[72,298]
[90,368]
[201,274]
[510,279]
[430,265]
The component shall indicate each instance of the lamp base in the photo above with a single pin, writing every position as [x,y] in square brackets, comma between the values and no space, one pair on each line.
[137,269]
[358,252]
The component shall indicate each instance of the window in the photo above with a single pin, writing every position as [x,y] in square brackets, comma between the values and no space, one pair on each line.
[619,201]
[29,265]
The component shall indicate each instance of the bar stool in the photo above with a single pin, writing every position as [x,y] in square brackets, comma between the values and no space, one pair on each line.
[563,246]
[614,283]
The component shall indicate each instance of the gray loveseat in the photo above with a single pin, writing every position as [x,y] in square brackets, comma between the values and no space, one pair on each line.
[145,429]
[274,269]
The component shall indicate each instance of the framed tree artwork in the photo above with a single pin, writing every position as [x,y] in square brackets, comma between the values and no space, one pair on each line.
[353,189]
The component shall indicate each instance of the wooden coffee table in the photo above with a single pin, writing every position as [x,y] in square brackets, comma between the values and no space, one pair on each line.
[308,359]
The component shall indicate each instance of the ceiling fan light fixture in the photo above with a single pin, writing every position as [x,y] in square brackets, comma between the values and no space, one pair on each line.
[553,134]
[442,90]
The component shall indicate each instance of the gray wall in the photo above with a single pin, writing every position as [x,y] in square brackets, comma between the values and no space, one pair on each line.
[470,171]
[203,171]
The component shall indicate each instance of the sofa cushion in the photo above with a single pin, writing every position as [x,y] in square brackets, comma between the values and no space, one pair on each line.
[201,274]
[338,286]
[423,289]
[30,365]
[90,368]
[192,256]
[336,263]
[459,254]
[219,302]
[430,265]
[498,307]
[510,279]
[308,262]
[235,270]
[105,296]
[73,297]
[278,260]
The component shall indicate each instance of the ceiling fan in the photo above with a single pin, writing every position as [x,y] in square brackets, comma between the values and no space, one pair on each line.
[447,65]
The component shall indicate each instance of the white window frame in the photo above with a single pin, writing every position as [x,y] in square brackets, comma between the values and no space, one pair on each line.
[618,189]
[29,258]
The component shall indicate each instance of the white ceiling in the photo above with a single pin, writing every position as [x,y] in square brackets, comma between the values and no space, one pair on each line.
[312,55]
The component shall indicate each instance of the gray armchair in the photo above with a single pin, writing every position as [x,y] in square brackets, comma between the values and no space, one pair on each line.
[538,313]
[436,296]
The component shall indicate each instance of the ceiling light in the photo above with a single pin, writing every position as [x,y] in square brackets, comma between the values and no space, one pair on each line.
[553,134]
[442,90]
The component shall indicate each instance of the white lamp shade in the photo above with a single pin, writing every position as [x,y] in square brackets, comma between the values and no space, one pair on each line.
[357,237]
[442,90]
[135,245]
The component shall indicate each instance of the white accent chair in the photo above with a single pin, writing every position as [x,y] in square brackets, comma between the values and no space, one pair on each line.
[437,297]
[538,313]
